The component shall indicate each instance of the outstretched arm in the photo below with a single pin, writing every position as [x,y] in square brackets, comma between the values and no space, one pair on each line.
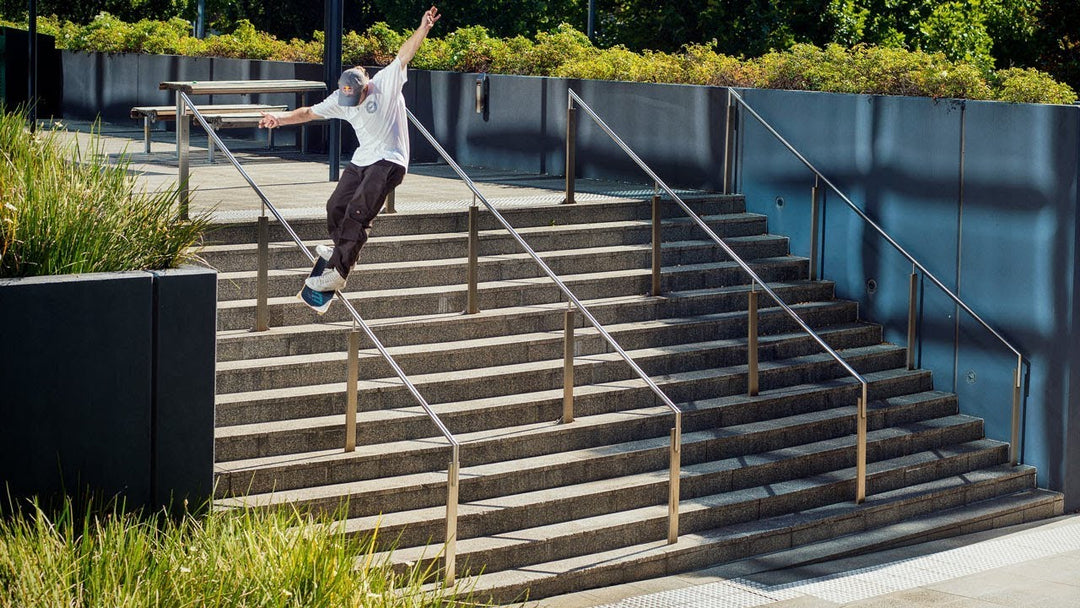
[409,48]
[272,120]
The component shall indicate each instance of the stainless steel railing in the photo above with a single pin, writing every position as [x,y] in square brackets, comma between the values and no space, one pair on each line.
[352,381]
[755,280]
[472,306]
[917,267]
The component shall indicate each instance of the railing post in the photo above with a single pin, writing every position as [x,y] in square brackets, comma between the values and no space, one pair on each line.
[656,238]
[815,216]
[390,201]
[860,447]
[568,366]
[571,145]
[351,392]
[729,145]
[183,130]
[472,306]
[262,313]
[675,459]
[1014,445]
[752,342]
[450,559]
[913,292]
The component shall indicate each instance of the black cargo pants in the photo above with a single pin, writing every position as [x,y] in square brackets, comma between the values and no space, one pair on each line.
[356,200]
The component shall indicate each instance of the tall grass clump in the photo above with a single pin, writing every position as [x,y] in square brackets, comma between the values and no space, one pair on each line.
[66,209]
[234,558]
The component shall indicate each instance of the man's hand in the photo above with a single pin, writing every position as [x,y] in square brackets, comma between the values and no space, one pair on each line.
[430,17]
[269,121]
[409,48]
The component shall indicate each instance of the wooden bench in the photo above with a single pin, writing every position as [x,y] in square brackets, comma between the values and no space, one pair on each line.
[152,114]
[239,120]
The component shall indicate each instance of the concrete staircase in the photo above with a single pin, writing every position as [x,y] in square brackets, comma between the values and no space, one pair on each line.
[548,508]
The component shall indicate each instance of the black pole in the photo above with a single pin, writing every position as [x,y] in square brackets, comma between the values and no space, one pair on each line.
[32,79]
[200,20]
[332,18]
[590,29]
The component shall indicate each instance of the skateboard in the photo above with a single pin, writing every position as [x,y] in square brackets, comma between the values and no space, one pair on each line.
[319,301]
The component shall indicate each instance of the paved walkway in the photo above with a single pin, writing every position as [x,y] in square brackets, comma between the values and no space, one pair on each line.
[1036,565]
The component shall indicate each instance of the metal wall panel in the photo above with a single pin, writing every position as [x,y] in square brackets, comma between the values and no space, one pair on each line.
[1019,265]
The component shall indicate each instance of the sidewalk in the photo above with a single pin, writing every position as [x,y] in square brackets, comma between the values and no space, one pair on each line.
[1031,565]
[1036,565]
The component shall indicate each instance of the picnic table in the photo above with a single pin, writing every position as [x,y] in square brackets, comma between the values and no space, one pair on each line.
[187,89]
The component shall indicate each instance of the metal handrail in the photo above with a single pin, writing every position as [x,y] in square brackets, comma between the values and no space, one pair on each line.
[455,445]
[755,279]
[677,432]
[933,279]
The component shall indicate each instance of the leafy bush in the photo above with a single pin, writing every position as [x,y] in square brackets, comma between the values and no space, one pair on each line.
[67,209]
[566,52]
[1031,86]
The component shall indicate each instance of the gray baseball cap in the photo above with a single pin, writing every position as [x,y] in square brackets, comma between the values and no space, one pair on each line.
[351,86]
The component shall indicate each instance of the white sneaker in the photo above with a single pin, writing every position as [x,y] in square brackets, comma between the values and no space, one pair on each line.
[324,251]
[328,281]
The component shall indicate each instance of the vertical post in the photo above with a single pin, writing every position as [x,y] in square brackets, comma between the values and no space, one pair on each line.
[752,342]
[333,15]
[1014,445]
[656,238]
[571,145]
[146,133]
[568,366]
[183,129]
[262,313]
[351,389]
[860,448]
[32,76]
[815,216]
[391,200]
[471,305]
[450,559]
[675,458]
[913,292]
[729,145]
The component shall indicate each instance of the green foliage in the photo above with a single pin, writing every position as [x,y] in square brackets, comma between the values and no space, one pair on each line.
[1025,85]
[68,210]
[566,52]
[237,558]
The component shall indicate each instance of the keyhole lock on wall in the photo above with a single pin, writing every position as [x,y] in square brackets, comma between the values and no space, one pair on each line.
[482,92]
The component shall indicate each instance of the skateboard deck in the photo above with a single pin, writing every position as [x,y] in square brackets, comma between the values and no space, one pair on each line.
[319,301]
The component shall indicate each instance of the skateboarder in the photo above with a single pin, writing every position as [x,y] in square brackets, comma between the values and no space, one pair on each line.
[375,108]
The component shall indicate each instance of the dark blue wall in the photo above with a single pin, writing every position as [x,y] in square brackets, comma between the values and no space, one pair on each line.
[984,195]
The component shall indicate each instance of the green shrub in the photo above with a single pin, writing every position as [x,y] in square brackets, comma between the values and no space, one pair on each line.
[68,210]
[1031,86]
[566,52]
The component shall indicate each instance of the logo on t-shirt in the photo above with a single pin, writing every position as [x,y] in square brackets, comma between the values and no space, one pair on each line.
[371,106]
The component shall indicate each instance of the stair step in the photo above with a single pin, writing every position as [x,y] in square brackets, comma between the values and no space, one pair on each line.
[451,271]
[506,514]
[925,511]
[540,214]
[409,301]
[424,329]
[370,461]
[541,353]
[435,246]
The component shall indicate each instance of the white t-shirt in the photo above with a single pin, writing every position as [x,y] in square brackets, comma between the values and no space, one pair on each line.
[380,122]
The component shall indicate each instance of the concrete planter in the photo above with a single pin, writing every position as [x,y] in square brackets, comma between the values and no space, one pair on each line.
[108,384]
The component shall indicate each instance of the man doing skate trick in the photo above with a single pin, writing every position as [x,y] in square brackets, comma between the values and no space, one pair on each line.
[375,108]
